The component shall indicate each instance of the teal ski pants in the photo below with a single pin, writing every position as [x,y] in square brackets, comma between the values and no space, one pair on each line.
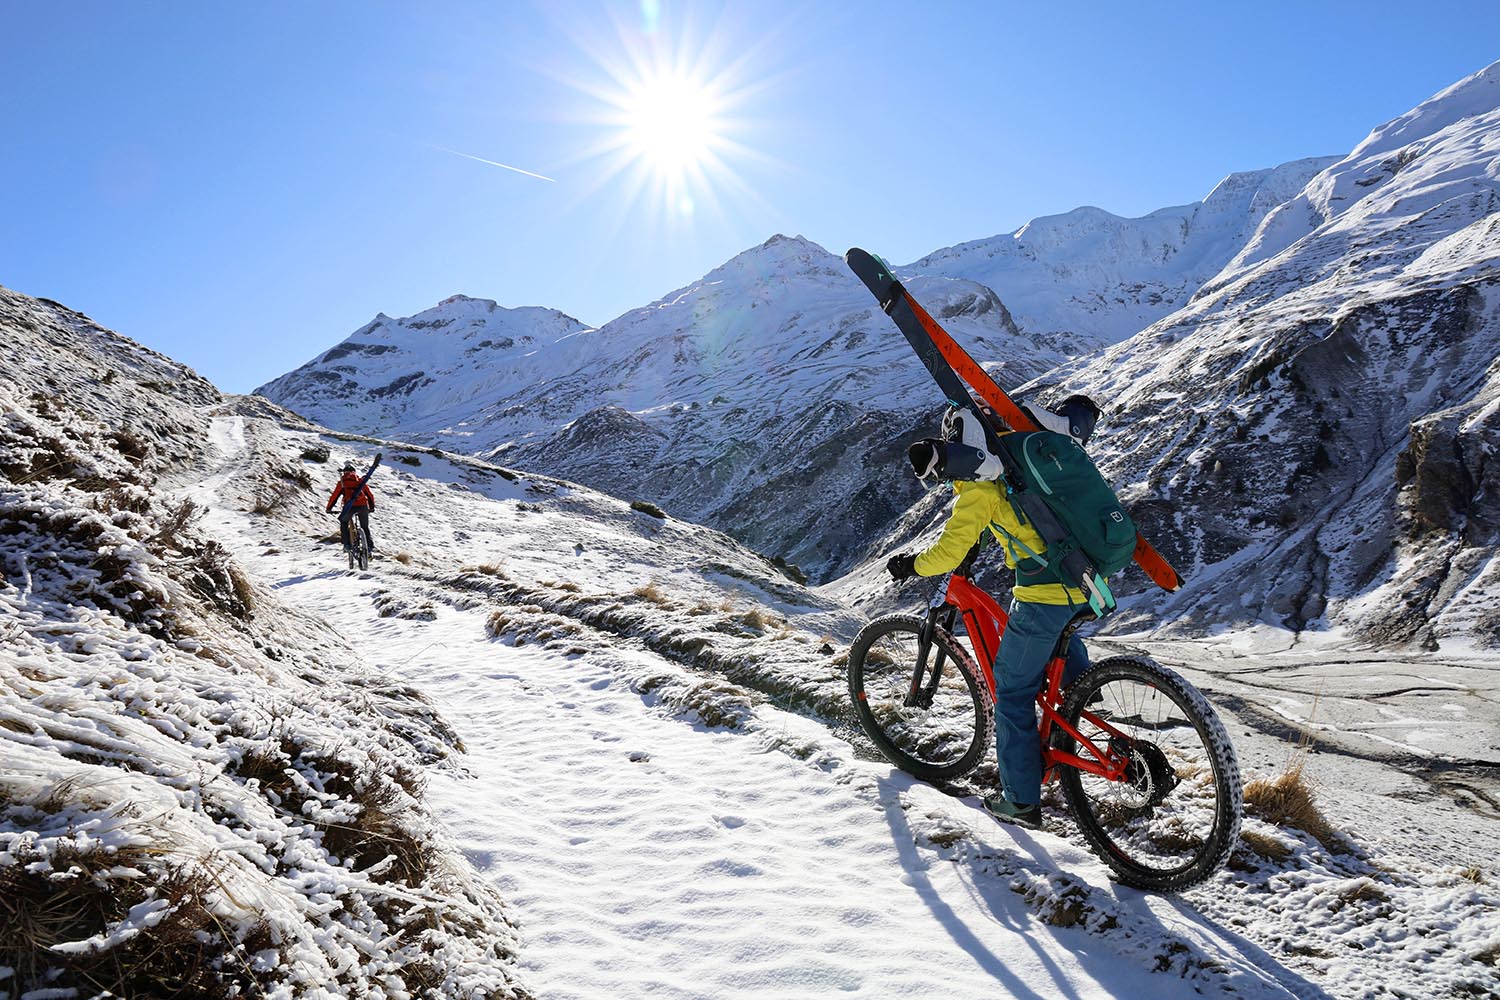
[1020,667]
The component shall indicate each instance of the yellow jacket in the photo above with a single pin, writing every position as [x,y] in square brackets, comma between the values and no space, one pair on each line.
[979,505]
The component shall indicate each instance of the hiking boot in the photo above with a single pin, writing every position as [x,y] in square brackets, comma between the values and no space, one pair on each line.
[1006,811]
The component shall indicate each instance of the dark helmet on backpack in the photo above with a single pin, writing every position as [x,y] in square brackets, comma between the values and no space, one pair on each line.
[1074,416]
[960,452]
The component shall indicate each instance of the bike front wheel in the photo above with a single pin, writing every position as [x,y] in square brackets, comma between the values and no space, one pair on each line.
[1175,818]
[925,710]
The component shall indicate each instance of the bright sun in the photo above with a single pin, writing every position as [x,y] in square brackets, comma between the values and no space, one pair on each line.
[670,104]
[670,123]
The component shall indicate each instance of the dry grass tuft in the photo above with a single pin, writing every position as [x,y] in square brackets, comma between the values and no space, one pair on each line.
[498,623]
[717,704]
[1266,847]
[948,837]
[73,896]
[270,499]
[404,558]
[1473,874]
[1065,907]
[170,530]
[1286,799]
[648,508]
[1364,891]
[756,618]
[214,576]
[652,593]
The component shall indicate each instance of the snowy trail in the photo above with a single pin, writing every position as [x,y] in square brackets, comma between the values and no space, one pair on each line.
[647,856]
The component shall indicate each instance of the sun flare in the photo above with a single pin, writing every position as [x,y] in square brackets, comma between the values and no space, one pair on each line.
[676,109]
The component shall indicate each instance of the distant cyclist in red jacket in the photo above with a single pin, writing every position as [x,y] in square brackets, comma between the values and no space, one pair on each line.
[363,503]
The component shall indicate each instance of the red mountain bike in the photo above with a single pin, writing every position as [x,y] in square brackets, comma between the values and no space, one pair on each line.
[1144,762]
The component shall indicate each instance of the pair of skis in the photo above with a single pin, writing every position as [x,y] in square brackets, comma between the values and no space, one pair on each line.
[347,511]
[956,373]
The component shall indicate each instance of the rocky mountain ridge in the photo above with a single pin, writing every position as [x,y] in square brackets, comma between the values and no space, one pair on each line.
[1317,427]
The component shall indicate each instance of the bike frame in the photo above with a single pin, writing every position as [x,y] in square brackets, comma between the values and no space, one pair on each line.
[984,621]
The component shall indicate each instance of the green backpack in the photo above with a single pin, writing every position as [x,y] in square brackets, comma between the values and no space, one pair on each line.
[1054,469]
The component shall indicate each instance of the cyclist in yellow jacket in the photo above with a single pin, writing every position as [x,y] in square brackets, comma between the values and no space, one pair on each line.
[1040,606]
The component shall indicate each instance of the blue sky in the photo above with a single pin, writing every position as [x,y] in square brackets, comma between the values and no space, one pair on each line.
[241,186]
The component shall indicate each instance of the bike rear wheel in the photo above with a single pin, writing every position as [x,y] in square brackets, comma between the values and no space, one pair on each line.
[1175,819]
[943,729]
[362,548]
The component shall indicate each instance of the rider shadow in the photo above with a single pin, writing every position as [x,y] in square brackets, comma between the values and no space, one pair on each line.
[1150,924]
[293,581]
[1009,912]
[904,840]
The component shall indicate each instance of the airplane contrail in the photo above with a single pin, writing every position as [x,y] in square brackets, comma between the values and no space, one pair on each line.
[503,166]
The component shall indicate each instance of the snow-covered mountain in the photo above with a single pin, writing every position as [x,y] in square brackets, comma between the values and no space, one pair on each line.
[773,383]
[398,374]
[1314,434]
[1089,276]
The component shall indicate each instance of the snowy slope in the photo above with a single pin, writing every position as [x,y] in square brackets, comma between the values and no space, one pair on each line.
[662,780]
[1312,436]
[639,736]
[1097,277]
[201,788]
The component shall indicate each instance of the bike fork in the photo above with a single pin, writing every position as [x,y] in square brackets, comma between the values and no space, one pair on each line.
[921,695]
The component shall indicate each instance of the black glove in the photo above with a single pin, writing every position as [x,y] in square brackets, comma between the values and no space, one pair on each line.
[901,567]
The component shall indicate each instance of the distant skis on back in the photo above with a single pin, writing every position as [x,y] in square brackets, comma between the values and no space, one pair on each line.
[956,373]
[347,511]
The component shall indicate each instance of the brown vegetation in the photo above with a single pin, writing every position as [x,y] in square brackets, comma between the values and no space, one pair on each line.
[1286,799]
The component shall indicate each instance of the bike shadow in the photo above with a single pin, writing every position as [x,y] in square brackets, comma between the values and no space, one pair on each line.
[1008,909]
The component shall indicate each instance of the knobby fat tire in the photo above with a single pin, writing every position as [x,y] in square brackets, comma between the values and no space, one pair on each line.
[1229,793]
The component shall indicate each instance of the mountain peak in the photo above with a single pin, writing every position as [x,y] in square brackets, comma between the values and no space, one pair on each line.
[450,300]
[781,249]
